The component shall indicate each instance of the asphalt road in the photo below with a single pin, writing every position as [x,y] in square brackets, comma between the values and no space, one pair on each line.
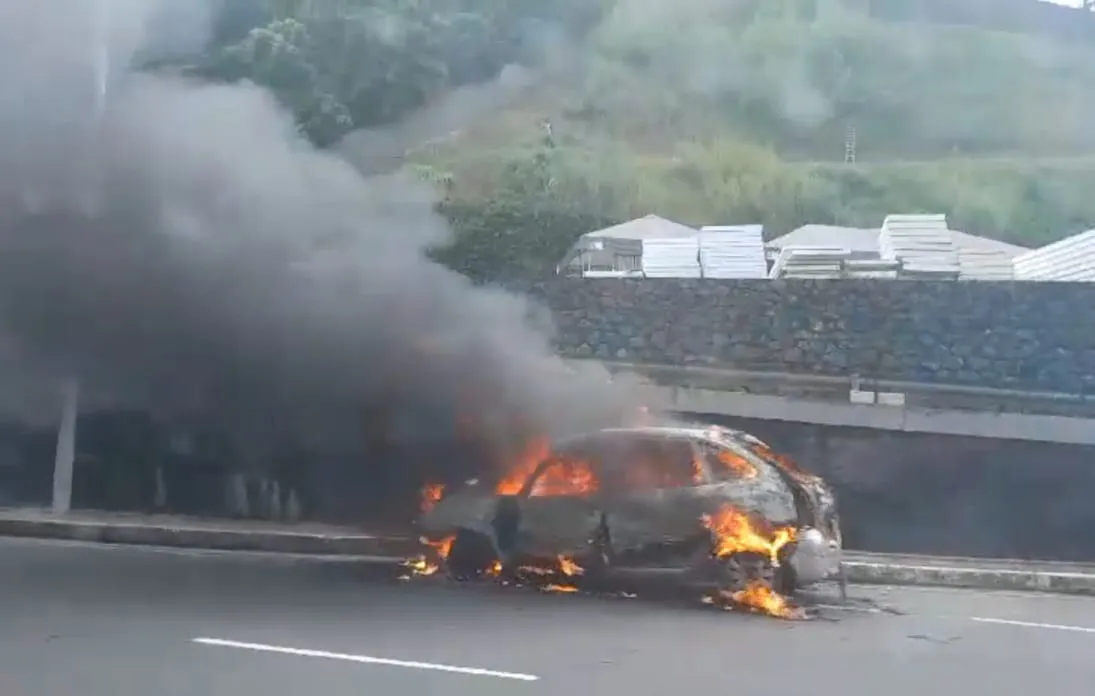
[98,621]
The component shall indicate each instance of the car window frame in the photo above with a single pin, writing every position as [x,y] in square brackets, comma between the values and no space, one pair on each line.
[661,439]
[555,457]
[721,474]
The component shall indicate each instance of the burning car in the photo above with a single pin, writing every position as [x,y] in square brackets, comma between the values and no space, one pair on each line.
[712,507]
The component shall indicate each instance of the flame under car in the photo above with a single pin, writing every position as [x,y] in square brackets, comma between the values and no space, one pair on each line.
[714,507]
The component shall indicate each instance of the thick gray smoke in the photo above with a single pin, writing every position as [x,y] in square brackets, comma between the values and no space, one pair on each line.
[179,246]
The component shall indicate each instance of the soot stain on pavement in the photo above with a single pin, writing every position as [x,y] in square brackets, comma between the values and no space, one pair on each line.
[934,639]
[818,605]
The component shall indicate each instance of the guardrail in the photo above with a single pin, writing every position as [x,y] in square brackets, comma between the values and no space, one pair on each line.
[863,390]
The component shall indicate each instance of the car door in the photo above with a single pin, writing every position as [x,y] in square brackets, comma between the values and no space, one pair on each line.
[649,497]
[559,509]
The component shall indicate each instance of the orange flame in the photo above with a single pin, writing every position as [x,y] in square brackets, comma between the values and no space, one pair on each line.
[549,575]
[525,464]
[786,463]
[757,596]
[736,464]
[697,469]
[564,477]
[442,547]
[735,532]
[423,564]
[568,567]
[431,495]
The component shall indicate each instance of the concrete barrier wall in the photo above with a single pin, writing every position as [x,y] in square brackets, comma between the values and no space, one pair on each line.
[900,492]
[1010,426]
[1029,336]
[939,494]
[931,396]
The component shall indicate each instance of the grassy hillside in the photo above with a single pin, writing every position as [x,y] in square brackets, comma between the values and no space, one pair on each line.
[697,112]
[707,111]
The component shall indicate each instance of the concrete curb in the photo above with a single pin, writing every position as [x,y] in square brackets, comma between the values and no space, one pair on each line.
[907,570]
[1059,582]
[198,537]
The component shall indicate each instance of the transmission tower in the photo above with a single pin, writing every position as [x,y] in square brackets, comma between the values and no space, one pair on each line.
[850,141]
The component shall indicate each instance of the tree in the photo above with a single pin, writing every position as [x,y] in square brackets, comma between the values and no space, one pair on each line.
[279,56]
[536,211]
[344,64]
[699,111]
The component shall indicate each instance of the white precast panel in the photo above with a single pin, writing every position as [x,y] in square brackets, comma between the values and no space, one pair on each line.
[733,252]
[922,243]
[980,264]
[671,258]
[809,262]
[1069,260]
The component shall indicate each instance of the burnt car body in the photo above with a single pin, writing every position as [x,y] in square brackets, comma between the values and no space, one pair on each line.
[655,486]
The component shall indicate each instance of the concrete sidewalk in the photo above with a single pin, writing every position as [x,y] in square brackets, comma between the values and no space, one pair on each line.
[197,533]
[328,540]
[975,573]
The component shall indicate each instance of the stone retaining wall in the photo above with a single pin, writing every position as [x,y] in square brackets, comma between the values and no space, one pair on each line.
[1031,336]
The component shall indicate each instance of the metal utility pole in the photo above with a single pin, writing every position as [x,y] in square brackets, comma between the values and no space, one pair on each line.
[65,454]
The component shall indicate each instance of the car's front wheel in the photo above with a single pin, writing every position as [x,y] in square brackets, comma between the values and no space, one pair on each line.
[471,556]
[740,570]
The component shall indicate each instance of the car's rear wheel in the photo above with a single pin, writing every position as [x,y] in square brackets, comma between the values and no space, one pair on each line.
[472,556]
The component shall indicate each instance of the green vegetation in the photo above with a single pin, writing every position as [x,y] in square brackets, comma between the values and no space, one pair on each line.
[349,64]
[705,111]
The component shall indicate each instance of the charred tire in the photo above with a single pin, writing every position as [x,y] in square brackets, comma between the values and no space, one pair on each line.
[740,570]
[471,556]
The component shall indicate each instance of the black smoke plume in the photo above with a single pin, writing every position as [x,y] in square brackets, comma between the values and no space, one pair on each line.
[179,247]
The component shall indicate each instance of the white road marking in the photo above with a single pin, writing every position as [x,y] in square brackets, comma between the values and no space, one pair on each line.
[1033,624]
[364,659]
